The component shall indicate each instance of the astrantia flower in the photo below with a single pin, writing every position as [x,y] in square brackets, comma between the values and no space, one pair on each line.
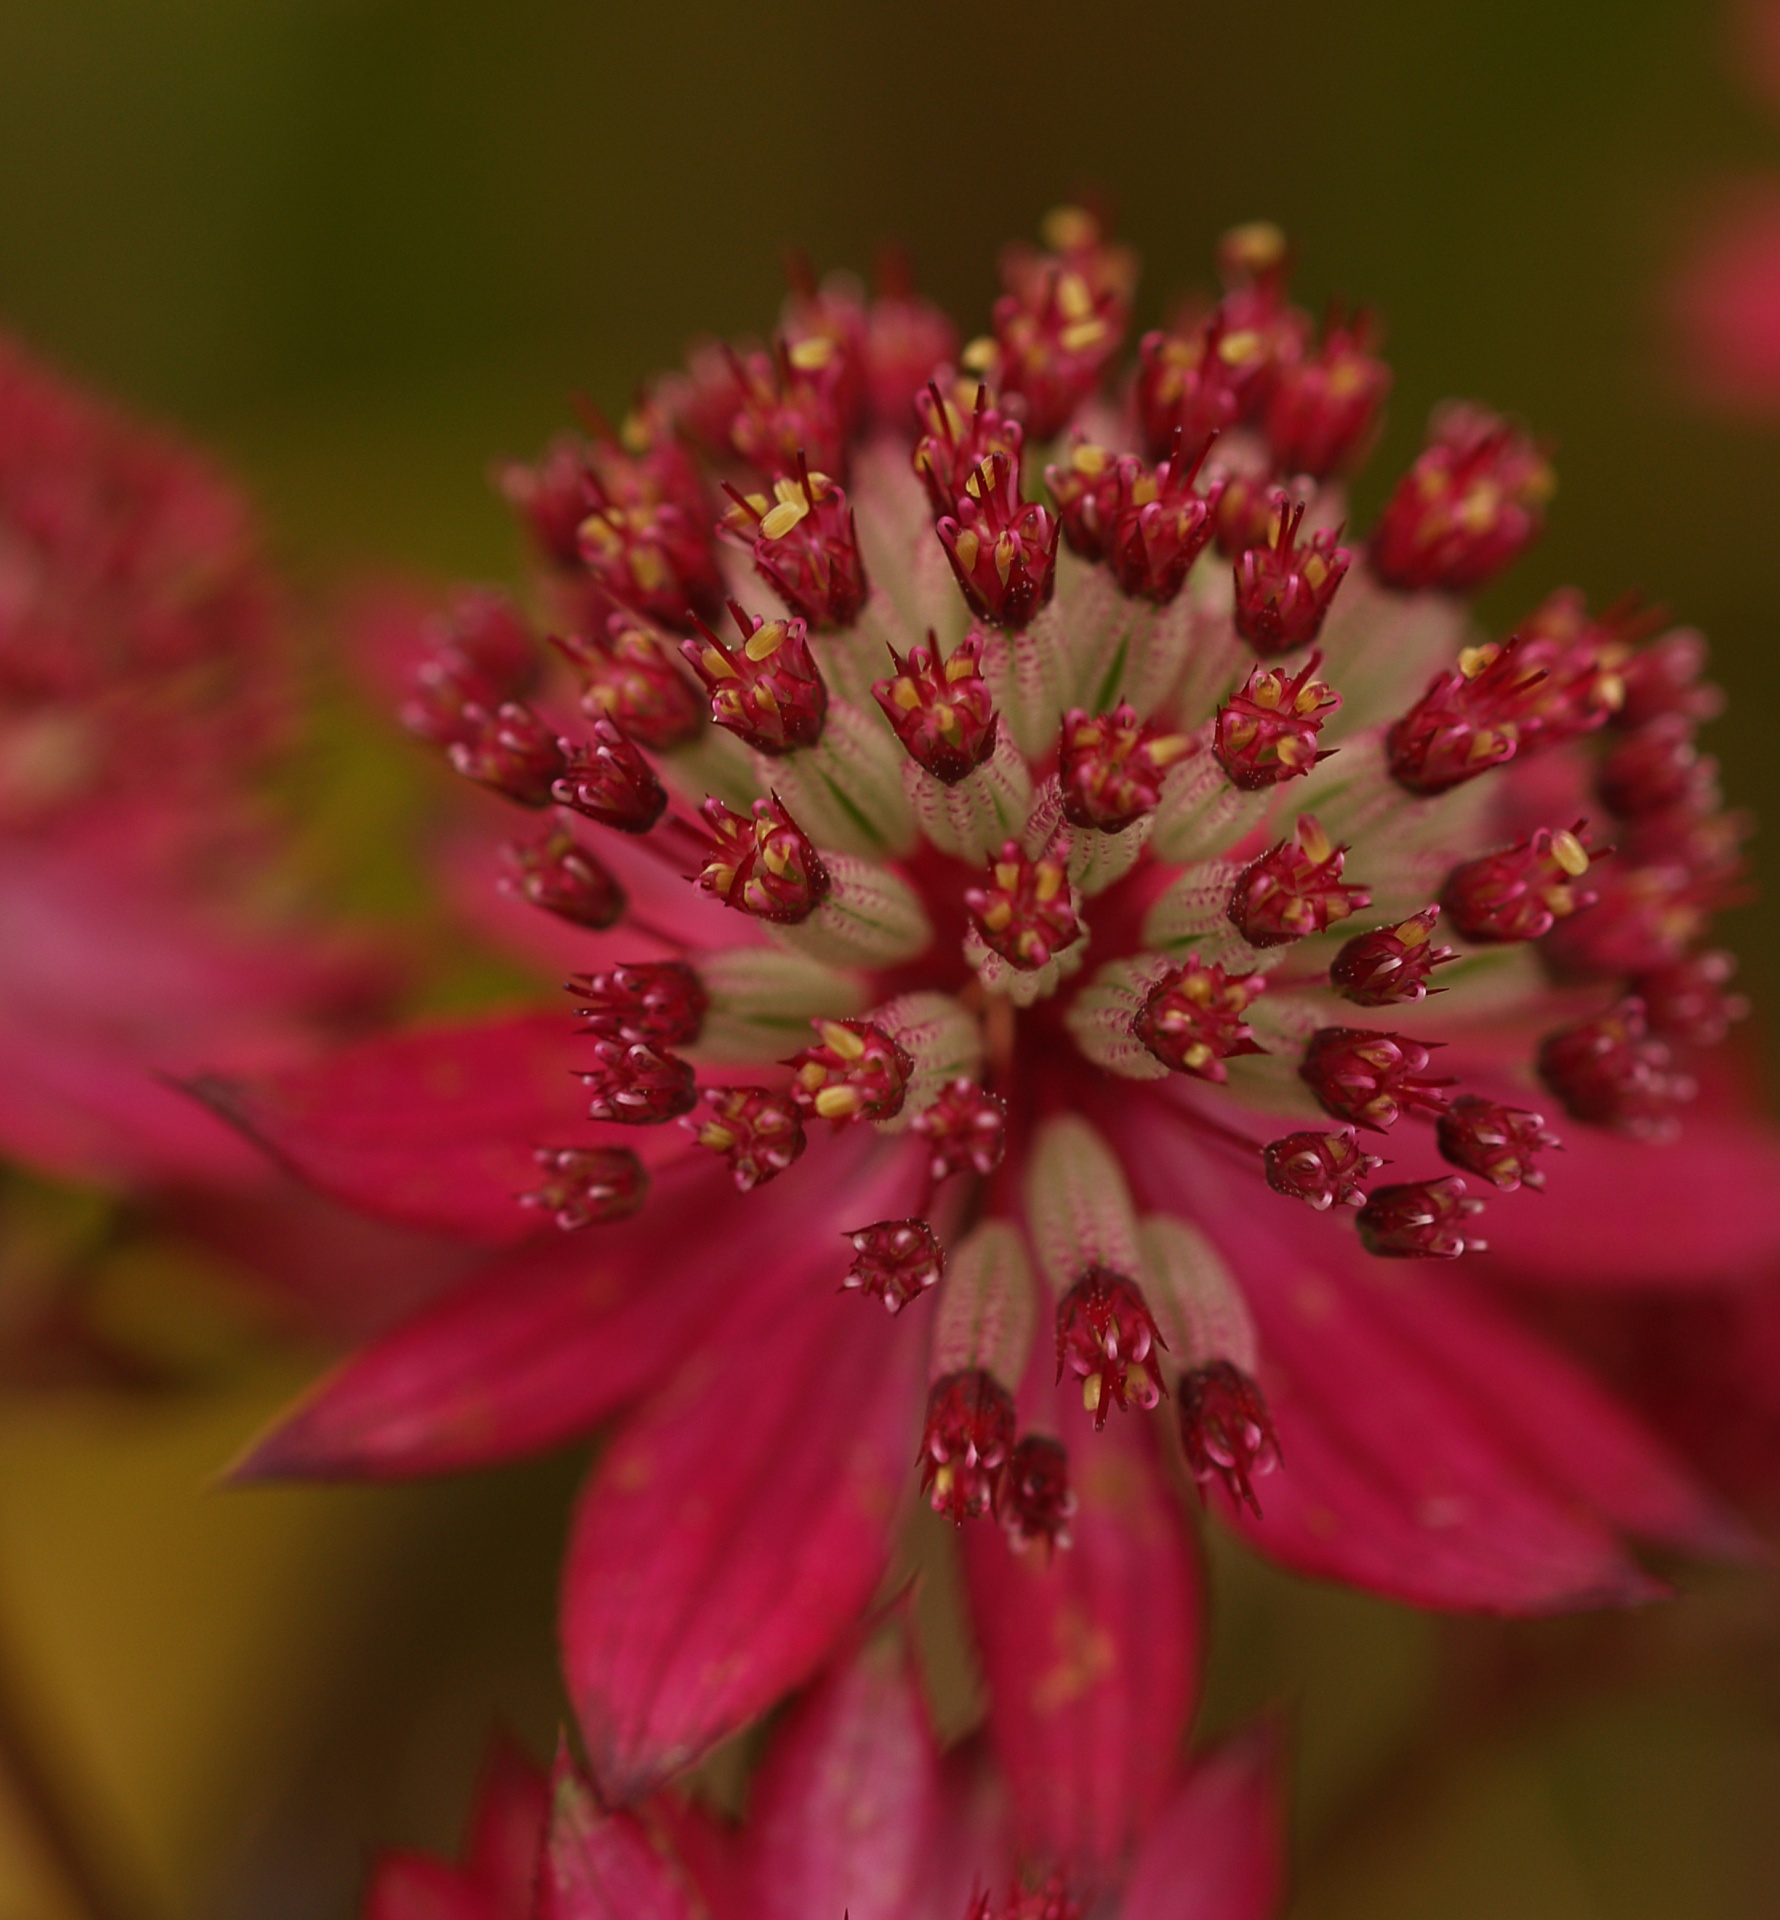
[1057,1004]
[853,1810]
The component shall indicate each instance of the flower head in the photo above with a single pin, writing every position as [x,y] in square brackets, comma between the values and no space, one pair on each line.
[1051,923]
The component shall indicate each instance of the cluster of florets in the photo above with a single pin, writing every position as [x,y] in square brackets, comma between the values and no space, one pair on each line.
[1090,801]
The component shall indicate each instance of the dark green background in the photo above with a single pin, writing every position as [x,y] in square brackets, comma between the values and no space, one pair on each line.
[363,245]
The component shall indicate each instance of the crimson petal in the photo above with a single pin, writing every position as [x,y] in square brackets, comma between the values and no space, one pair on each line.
[1092,1656]
[734,1530]
[845,1808]
[605,1866]
[1217,1851]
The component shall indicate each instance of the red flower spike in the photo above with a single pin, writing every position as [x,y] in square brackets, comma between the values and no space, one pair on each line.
[1390,965]
[1192,1020]
[1371,1078]
[806,547]
[792,407]
[1496,1143]
[768,691]
[1024,914]
[553,498]
[1521,892]
[1243,516]
[1664,678]
[655,559]
[824,329]
[1658,767]
[661,1001]
[1546,684]
[1003,549]
[1323,414]
[1294,889]
[558,874]
[1054,333]
[762,864]
[894,1261]
[486,632]
[1163,523]
[1687,1001]
[1110,767]
[1610,1073]
[965,1443]
[511,752]
[628,678]
[1108,1338]
[965,1130]
[1284,590]
[637,1085]
[1473,502]
[1322,1169]
[1089,492]
[941,711]
[1226,1430]
[1033,1500]
[588,1186]
[954,444]
[1195,384]
[856,1071]
[759,1133]
[611,782]
[1420,1220]
[1645,919]
[1267,730]
[906,338]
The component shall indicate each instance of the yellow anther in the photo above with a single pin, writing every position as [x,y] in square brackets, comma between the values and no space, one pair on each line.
[807,355]
[1074,299]
[945,719]
[1169,748]
[778,521]
[841,1040]
[1569,853]
[1258,246]
[967,546]
[979,355]
[1198,1055]
[1006,549]
[906,694]
[716,665]
[1080,335]
[1047,881]
[1411,932]
[1238,348]
[1088,458]
[716,1136]
[1474,660]
[1316,843]
[648,569]
[1007,876]
[1093,1391]
[1067,229]
[1145,491]
[960,667]
[837,1103]
[765,641]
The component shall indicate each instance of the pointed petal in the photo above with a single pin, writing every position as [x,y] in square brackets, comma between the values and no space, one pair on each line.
[434,1127]
[1092,1658]
[1391,1480]
[735,1529]
[605,1866]
[1562,1423]
[844,1809]
[1218,1850]
[543,1343]
[1702,1211]
[407,1886]
[507,1830]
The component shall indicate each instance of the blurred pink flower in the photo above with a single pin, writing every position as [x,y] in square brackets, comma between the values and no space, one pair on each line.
[853,1811]
[144,677]
[1057,995]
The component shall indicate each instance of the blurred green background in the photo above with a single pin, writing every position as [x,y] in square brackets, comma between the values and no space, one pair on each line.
[360,247]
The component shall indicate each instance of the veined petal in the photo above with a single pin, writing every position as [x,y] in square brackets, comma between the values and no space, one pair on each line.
[844,1810]
[733,1531]
[546,1341]
[435,1127]
[1217,1851]
[1092,1656]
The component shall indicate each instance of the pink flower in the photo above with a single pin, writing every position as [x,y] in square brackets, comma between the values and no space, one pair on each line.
[143,681]
[1048,1055]
[853,1810]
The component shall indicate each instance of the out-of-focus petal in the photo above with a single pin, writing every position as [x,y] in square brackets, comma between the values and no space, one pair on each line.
[507,1830]
[1217,1852]
[1724,304]
[408,1886]
[735,1529]
[844,1810]
[1092,1657]
[605,1866]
